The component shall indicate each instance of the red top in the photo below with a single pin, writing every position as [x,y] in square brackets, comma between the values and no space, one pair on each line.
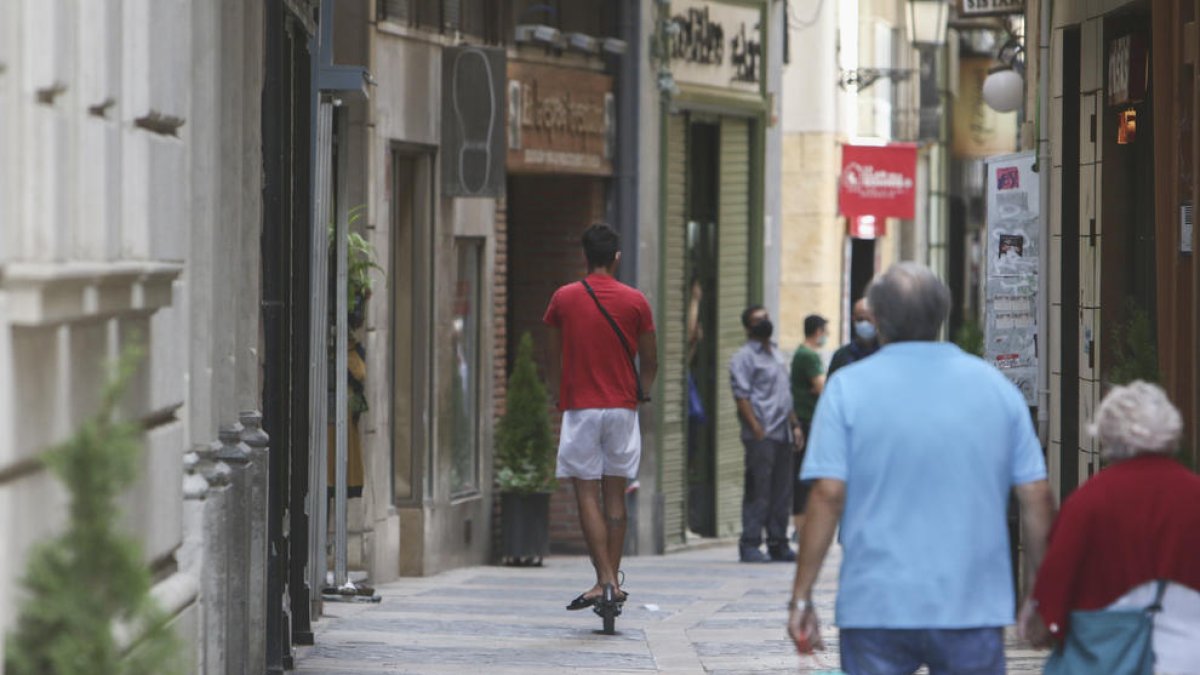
[1134,522]
[595,366]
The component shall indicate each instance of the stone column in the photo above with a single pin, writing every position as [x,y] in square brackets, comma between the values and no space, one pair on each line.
[257,440]
[233,452]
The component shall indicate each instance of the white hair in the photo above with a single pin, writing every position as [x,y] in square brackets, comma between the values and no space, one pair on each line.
[1134,419]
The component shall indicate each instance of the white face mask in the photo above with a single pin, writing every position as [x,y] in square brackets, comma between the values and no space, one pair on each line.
[865,330]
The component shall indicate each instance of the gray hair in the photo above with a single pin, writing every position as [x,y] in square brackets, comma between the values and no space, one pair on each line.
[909,303]
[1134,419]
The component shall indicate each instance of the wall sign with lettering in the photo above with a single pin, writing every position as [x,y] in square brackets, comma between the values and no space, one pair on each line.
[717,45]
[1128,69]
[560,120]
[990,7]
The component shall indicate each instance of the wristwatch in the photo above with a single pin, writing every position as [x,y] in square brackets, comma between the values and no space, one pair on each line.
[801,606]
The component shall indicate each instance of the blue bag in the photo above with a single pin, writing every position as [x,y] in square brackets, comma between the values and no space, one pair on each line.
[695,404]
[1114,642]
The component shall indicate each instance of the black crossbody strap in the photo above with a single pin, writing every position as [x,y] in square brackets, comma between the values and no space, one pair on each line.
[637,378]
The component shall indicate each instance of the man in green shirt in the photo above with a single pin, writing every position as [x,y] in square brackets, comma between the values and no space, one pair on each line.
[808,379]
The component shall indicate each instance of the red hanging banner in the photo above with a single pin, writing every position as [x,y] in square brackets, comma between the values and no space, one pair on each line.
[878,181]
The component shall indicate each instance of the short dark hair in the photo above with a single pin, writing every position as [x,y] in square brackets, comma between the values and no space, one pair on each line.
[812,324]
[601,243]
[909,303]
[749,312]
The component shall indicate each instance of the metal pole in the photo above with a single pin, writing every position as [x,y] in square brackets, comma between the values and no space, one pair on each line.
[343,311]
[318,368]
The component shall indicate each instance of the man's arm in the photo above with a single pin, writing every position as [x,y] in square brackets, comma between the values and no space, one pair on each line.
[747,412]
[824,510]
[818,384]
[647,360]
[1037,515]
[554,361]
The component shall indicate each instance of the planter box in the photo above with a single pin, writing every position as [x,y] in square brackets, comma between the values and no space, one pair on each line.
[525,522]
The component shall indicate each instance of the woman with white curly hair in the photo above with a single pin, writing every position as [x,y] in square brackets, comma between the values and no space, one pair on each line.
[1134,524]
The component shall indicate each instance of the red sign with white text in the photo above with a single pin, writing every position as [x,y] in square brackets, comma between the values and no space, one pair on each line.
[878,181]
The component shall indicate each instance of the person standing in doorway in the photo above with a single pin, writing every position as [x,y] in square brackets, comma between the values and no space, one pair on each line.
[864,343]
[597,328]
[918,476]
[808,381]
[770,433]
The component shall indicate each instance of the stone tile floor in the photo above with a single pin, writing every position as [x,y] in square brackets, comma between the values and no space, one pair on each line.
[697,611]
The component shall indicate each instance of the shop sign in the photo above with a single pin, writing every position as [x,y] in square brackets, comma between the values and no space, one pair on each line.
[978,131]
[1013,230]
[878,181]
[717,45]
[473,121]
[1128,69]
[560,120]
[990,7]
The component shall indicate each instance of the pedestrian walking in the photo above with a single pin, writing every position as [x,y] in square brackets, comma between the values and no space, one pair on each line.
[864,343]
[915,452]
[808,381]
[1126,540]
[770,433]
[597,328]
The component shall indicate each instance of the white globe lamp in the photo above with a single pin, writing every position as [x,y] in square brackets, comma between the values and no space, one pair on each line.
[1003,90]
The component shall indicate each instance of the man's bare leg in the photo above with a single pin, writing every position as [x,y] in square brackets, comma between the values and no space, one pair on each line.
[615,519]
[595,533]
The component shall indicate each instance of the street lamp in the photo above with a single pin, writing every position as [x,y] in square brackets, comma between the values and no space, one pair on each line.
[927,30]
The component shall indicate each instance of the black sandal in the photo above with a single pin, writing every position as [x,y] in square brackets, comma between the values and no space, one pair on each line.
[582,602]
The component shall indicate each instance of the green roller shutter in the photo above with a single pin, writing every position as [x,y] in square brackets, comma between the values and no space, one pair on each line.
[733,293]
[673,338]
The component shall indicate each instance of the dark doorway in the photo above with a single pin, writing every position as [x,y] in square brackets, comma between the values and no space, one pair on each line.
[1069,298]
[700,298]
[286,281]
[862,270]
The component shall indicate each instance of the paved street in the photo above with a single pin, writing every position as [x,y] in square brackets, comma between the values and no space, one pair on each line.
[690,612]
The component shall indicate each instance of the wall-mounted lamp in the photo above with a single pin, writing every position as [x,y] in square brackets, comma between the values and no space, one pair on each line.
[1004,88]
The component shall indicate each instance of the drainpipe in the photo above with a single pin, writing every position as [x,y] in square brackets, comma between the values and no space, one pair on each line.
[625,211]
[1044,163]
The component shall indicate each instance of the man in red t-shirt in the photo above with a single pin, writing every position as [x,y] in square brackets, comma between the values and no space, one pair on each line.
[593,342]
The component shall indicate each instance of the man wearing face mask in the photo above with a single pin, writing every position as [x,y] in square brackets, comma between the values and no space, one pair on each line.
[770,433]
[808,380]
[864,344]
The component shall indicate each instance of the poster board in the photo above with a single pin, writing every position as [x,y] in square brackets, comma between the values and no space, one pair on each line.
[1013,260]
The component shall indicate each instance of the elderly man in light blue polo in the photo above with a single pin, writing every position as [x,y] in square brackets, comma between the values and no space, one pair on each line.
[916,451]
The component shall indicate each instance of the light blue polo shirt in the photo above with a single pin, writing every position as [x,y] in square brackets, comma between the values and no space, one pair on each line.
[930,441]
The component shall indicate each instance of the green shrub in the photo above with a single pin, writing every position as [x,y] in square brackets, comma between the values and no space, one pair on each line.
[1135,352]
[91,580]
[969,338]
[524,440]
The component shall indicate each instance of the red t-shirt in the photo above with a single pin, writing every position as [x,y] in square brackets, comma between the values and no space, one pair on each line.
[1135,521]
[595,366]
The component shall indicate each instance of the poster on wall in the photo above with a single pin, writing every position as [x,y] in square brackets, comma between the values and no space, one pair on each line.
[1013,257]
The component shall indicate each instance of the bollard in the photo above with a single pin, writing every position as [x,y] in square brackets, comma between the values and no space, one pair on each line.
[257,440]
[191,552]
[214,572]
[236,454]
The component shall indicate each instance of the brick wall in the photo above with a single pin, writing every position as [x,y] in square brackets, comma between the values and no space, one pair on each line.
[537,250]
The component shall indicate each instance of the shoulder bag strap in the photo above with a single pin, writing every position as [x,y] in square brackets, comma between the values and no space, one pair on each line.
[621,336]
[1158,597]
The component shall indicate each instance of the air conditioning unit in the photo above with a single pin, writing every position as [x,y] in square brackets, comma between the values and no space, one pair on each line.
[615,46]
[579,42]
[536,33]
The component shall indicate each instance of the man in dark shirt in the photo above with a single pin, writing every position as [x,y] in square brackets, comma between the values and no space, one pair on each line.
[864,344]
[808,380]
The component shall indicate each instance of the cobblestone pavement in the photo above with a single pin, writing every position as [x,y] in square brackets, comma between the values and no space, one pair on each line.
[691,612]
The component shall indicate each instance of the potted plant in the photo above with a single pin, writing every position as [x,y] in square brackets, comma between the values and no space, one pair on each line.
[525,464]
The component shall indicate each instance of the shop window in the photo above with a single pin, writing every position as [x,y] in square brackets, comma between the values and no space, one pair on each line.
[465,378]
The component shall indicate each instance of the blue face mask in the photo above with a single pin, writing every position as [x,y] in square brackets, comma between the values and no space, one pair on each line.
[865,330]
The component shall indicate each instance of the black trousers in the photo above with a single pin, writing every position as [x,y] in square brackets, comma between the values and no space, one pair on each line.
[767,503]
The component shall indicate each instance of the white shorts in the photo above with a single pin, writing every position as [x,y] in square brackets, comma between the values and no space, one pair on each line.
[599,442]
